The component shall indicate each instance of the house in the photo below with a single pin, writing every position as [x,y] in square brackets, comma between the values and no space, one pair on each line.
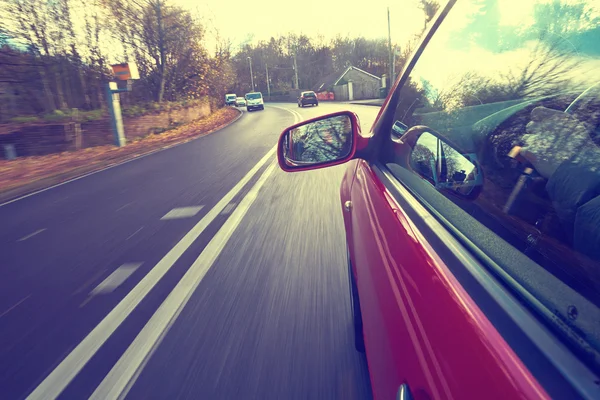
[351,84]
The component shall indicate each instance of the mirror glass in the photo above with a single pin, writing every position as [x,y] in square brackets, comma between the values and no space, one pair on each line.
[325,140]
[445,167]
[398,129]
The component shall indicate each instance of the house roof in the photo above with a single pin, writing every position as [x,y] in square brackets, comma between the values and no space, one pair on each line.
[327,81]
[333,78]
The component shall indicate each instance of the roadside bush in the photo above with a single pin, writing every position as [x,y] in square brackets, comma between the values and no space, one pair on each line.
[24,119]
[56,115]
[134,111]
[131,111]
[93,115]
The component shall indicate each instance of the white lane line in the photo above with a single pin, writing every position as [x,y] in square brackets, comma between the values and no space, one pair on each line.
[13,307]
[31,235]
[296,114]
[53,385]
[115,279]
[134,233]
[91,280]
[124,373]
[182,212]
[126,205]
[228,209]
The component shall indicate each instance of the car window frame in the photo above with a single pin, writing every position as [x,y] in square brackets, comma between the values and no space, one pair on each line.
[561,355]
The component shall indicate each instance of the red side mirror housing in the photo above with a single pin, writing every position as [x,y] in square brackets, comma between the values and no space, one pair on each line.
[320,142]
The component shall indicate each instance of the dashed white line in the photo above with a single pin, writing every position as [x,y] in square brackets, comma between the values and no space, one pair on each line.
[228,209]
[124,373]
[53,385]
[91,280]
[126,205]
[115,279]
[31,235]
[134,233]
[182,212]
[14,306]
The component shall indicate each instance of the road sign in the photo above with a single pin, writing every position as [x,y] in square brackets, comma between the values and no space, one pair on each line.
[125,71]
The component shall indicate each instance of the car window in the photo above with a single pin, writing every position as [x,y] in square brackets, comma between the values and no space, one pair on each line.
[496,129]
[253,96]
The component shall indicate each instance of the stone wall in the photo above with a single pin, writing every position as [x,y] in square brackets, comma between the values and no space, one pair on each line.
[42,139]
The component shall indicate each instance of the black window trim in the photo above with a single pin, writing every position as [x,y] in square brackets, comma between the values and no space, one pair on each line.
[516,323]
[385,121]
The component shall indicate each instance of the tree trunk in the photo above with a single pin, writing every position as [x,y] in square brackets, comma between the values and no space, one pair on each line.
[84,90]
[50,104]
[60,95]
[162,51]
[67,84]
[100,93]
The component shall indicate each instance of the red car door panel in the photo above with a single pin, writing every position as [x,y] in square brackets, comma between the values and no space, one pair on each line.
[421,327]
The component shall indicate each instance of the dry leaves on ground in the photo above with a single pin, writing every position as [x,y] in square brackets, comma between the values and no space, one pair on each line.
[26,170]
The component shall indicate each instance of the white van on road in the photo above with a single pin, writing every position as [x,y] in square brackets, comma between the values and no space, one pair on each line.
[254,101]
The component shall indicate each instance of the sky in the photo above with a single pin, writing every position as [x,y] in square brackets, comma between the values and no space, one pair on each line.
[240,20]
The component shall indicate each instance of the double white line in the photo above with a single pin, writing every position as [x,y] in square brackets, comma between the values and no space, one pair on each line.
[124,373]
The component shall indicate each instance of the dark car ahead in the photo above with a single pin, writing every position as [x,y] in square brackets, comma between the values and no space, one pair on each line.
[472,207]
[307,98]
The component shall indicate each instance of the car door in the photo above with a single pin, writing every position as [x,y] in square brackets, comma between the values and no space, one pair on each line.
[455,303]
[421,327]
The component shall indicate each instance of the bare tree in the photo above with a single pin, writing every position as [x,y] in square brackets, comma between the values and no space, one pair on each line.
[32,24]
[429,8]
[546,72]
[164,38]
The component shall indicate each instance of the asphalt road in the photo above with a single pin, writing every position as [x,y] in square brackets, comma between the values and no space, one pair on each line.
[198,272]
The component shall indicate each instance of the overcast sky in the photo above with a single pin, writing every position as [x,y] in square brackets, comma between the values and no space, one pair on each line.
[262,19]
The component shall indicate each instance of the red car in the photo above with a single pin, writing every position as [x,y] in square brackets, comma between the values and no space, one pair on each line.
[472,207]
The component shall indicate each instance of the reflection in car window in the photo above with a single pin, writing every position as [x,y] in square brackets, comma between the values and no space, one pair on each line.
[513,89]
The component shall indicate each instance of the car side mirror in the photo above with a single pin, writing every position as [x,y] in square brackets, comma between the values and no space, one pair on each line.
[320,142]
[444,166]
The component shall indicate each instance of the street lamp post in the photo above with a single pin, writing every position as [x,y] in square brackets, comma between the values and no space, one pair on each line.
[251,76]
[268,85]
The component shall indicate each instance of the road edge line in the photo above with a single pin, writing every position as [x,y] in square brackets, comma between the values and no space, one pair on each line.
[119,163]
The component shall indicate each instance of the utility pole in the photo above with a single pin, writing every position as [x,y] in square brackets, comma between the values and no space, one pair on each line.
[391,61]
[251,76]
[268,86]
[296,70]
[394,65]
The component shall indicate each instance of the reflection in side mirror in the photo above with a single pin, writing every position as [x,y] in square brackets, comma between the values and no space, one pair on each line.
[445,167]
[398,129]
[323,141]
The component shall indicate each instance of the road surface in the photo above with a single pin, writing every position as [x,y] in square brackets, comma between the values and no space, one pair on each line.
[198,272]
